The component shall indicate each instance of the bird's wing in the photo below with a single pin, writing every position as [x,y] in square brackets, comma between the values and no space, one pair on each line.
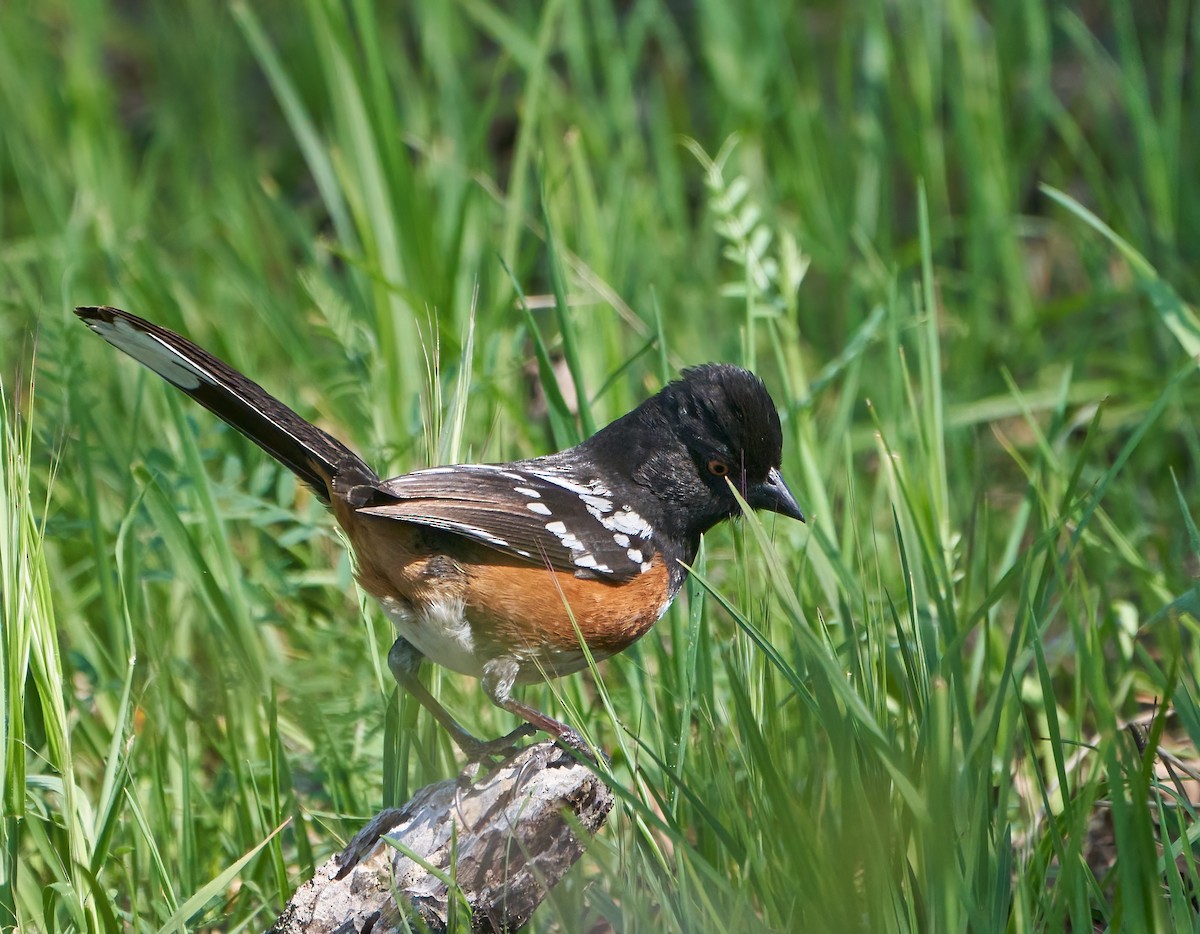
[542,515]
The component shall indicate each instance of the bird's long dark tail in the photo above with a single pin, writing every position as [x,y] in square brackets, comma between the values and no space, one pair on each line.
[314,456]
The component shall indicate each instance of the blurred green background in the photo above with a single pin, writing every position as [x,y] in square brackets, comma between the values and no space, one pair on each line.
[957,239]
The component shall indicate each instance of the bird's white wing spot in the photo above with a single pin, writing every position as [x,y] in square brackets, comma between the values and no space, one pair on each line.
[596,503]
[628,522]
[540,508]
[590,562]
[568,539]
[593,489]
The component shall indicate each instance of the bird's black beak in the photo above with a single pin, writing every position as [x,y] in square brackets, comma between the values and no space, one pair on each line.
[774,495]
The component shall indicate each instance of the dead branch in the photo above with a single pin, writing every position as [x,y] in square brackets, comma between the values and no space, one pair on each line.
[481,853]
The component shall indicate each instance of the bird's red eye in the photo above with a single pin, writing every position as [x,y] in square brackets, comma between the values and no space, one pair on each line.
[718,468]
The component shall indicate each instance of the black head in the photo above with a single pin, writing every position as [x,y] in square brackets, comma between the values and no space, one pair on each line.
[729,424]
[714,427]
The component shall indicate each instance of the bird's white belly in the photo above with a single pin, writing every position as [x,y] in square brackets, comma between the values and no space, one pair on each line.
[443,635]
[440,632]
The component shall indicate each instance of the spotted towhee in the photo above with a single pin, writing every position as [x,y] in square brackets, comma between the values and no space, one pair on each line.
[499,570]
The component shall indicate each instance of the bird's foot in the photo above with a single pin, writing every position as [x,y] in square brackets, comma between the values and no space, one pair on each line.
[487,751]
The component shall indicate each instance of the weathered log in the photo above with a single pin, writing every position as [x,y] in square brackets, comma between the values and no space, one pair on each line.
[484,852]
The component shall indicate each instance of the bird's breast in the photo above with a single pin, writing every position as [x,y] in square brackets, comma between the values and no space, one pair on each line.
[540,616]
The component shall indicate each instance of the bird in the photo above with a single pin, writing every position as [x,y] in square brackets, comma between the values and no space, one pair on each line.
[505,572]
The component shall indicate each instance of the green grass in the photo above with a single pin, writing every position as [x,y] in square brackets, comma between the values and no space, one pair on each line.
[956,239]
